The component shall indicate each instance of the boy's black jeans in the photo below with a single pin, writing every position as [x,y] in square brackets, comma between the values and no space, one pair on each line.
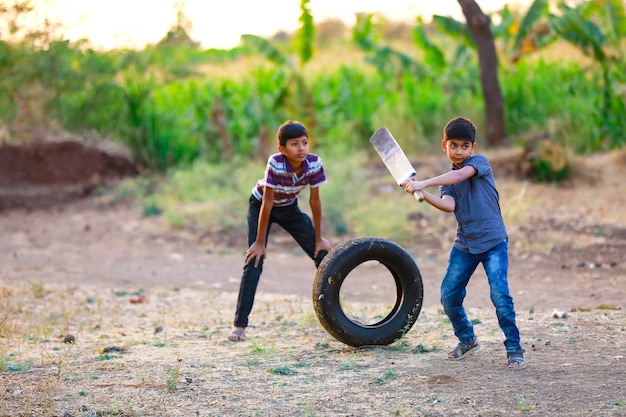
[297,224]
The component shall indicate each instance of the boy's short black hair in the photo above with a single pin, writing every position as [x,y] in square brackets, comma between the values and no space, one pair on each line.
[290,130]
[460,128]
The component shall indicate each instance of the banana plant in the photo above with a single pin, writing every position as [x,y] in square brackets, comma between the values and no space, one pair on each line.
[386,59]
[598,29]
[473,38]
[294,95]
[532,32]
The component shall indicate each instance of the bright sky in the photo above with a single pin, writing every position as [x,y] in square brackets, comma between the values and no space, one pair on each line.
[219,23]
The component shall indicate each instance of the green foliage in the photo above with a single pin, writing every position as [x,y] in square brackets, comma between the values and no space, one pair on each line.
[537,10]
[567,111]
[598,32]
[171,111]
[345,108]
[455,29]
[388,61]
[433,55]
[266,48]
[206,195]
[373,219]
[420,348]
[545,172]
[576,29]
[171,384]
[305,36]
[16,367]
[386,376]
[522,407]
[283,370]
[613,17]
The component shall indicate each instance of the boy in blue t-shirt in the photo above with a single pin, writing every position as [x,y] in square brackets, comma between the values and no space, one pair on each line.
[469,190]
[274,200]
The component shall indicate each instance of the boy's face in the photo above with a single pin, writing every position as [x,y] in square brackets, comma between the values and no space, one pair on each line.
[458,150]
[295,150]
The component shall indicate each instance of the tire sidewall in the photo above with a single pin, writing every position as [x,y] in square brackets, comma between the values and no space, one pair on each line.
[332,273]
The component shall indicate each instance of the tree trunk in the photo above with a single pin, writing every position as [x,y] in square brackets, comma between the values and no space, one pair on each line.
[478,25]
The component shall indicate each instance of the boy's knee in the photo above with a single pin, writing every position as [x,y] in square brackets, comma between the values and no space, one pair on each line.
[445,303]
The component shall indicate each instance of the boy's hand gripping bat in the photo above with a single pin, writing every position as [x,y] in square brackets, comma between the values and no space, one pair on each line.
[394,158]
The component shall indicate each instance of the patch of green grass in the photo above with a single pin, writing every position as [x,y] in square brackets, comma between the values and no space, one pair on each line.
[258,349]
[401,342]
[422,349]
[18,367]
[203,196]
[283,370]
[616,403]
[346,367]
[522,407]
[384,377]
[172,381]
[107,357]
[251,361]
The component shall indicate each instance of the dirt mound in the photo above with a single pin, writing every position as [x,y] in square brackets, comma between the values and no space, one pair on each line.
[44,173]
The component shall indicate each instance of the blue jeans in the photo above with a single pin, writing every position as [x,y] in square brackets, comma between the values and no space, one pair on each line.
[461,266]
[297,224]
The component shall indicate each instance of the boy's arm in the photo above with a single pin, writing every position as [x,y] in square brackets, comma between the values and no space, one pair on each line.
[445,203]
[316,210]
[449,178]
[257,250]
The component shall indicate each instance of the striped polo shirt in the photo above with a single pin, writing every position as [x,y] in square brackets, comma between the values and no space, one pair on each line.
[286,184]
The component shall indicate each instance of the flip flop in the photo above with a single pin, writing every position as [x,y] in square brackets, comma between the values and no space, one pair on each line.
[462,350]
[516,361]
[237,335]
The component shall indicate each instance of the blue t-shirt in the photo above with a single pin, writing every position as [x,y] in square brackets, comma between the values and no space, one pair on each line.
[477,209]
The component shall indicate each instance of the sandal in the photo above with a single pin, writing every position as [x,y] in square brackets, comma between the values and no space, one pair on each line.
[462,350]
[516,361]
[238,334]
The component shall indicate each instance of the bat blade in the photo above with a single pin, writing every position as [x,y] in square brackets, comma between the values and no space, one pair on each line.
[393,157]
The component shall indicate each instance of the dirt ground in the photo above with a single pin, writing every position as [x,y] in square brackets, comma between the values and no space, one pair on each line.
[82,265]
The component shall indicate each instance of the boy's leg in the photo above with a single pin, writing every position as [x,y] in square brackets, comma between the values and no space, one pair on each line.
[251,275]
[496,266]
[299,225]
[461,266]
[247,290]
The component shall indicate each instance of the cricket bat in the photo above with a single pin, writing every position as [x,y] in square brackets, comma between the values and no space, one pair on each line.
[394,158]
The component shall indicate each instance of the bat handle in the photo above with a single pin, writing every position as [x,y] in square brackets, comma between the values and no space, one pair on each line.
[418,196]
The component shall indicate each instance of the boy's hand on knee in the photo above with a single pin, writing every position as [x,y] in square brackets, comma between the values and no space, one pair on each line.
[255,252]
[323,244]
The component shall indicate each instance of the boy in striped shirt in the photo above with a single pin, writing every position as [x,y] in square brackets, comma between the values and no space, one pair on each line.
[274,200]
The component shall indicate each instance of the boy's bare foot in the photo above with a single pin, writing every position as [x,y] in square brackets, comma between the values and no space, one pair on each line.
[238,334]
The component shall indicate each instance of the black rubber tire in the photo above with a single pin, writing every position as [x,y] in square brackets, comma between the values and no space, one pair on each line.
[335,268]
